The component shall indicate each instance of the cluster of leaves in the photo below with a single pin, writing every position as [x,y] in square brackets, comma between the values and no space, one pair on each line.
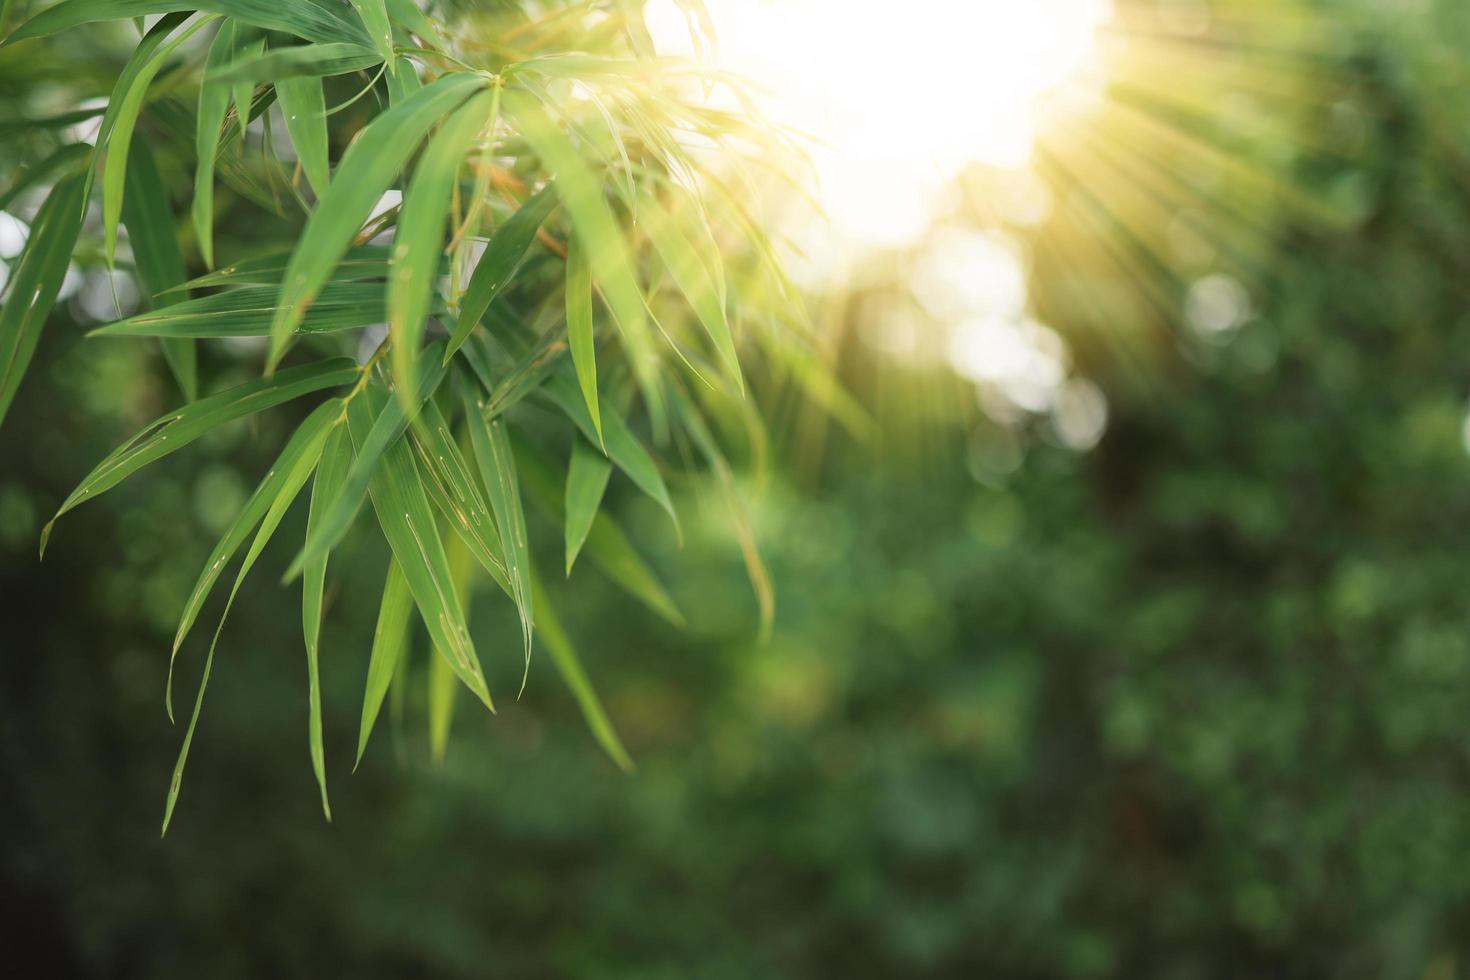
[568,241]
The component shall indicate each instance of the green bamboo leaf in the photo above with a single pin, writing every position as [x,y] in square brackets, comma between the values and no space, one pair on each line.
[569,665]
[387,429]
[623,448]
[607,545]
[314,20]
[579,331]
[254,509]
[374,14]
[359,262]
[248,312]
[114,167]
[693,278]
[581,191]
[299,61]
[242,93]
[455,491]
[418,241]
[497,267]
[364,172]
[289,477]
[36,279]
[587,475]
[177,429]
[390,643]
[336,458]
[408,524]
[403,82]
[410,17]
[156,257]
[498,472]
[442,686]
[214,104]
[305,110]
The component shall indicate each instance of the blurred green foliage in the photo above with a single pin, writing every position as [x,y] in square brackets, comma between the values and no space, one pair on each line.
[1194,703]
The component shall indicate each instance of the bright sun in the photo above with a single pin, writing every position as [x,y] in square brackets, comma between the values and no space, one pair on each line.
[898,97]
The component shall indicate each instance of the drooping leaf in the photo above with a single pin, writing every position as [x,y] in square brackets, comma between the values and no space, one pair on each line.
[497,468]
[36,279]
[248,311]
[360,262]
[119,140]
[314,20]
[305,110]
[254,509]
[623,448]
[336,457]
[390,643]
[177,429]
[160,265]
[607,544]
[442,686]
[503,254]
[214,103]
[587,475]
[693,278]
[300,61]
[581,191]
[455,491]
[579,331]
[289,477]
[387,428]
[403,82]
[364,172]
[408,523]
[242,91]
[418,241]
[374,16]
[569,665]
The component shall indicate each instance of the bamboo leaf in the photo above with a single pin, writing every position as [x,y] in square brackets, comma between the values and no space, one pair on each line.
[374,16]
[387,428]
[359,262]
[498,472]
[587,475]
[569,665]
[177,429]
[314,20]
[607,545]
[581,191]
[364,172]
[36,279]
[299,61]
[503,255]
[390,643]
[418,241]
[214,103]
[248,312]
[156,257]
[442,687]
[455,491]
[336,458]
[114,168]
[408,524]
[287,480]
[579,331]
[254,509]
[693,278]
[623,448]
[305,110]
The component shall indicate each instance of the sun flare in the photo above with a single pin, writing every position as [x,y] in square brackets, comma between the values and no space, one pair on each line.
[897,99]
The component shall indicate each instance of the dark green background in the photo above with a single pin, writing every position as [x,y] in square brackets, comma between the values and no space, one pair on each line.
[1193,704]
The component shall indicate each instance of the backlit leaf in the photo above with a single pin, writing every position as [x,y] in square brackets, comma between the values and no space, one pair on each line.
[390,643]
[587,475]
